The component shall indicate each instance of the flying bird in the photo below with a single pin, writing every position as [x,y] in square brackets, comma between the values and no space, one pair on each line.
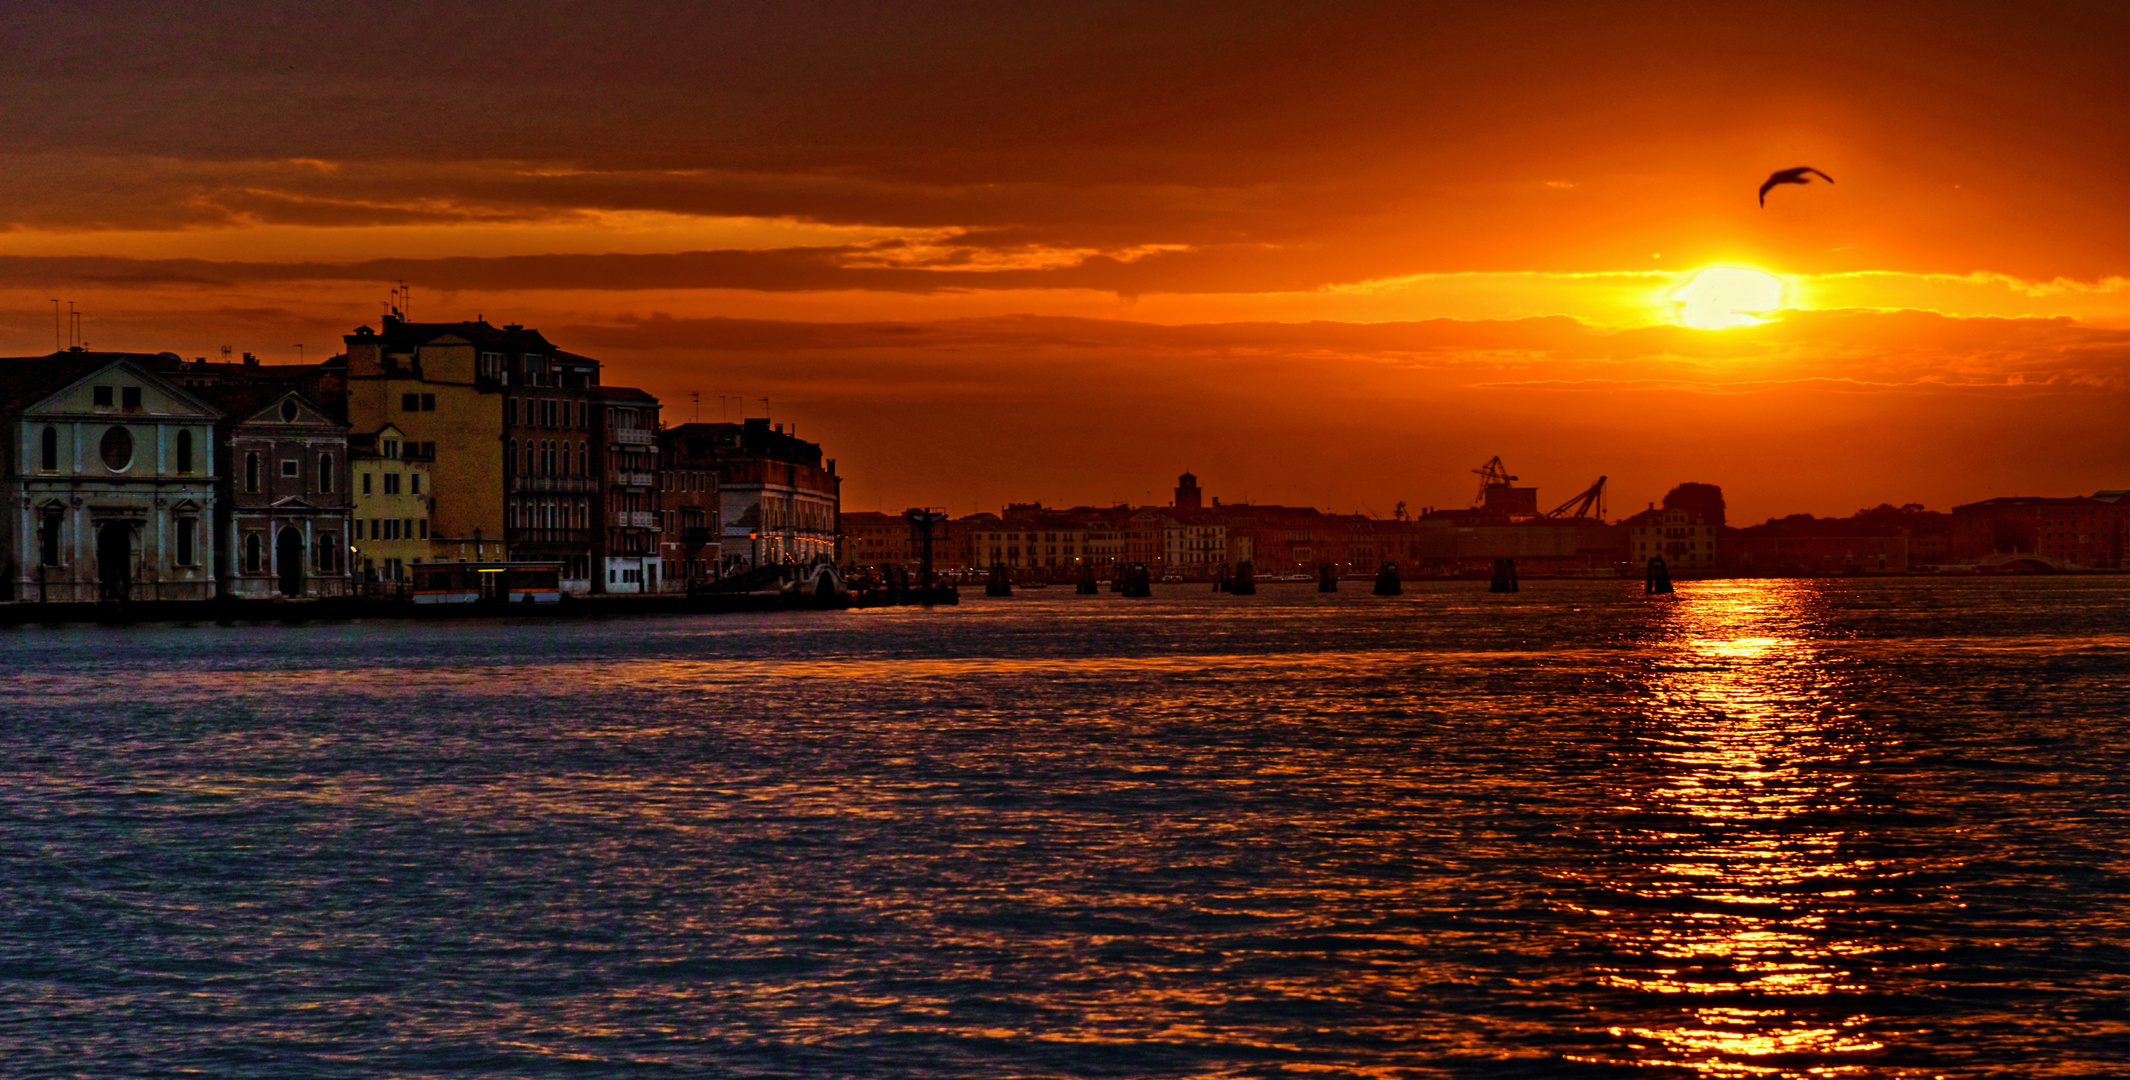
[1791,176]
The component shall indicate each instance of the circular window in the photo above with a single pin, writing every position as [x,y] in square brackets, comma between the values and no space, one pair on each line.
[118,449]
[288,411]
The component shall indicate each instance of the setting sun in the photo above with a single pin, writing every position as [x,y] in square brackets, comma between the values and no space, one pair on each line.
[1721,297]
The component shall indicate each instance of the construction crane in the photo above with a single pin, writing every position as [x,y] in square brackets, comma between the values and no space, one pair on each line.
[1581,506]
[1492,474]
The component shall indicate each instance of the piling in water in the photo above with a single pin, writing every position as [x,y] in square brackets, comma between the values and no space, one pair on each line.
[1245,583]
[1137,581]
[1659,579]
[1225,582]
[1504,576]
[1327,578]
[1087,586]
[1000,584]
[1387,583]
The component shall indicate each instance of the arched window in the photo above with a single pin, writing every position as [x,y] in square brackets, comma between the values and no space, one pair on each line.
[184,450]
[325,472]
[251,549]
[50,447]
[186,528]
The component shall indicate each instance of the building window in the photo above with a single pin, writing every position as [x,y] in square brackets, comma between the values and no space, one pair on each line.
[251,472]
[48,538]
[251,553]
[117,449]
[186,528]
[322,555]
[424,524]
[289,411]
[325,472]
[49,446]
[129,397]
[414,483]
[410,403]
[184,451]
[391,483]
[290,468]
[392,448]
[101,396]
[428,402]
[366,483]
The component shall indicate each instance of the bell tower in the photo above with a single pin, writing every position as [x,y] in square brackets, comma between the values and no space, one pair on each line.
[1188,496]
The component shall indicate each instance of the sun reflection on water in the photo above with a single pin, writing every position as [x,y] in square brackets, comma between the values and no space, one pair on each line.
[1749,759]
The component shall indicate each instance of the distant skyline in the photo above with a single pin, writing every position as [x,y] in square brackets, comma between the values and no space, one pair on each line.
[1331,255]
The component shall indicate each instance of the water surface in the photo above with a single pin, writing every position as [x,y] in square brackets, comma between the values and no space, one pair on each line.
[1789,828]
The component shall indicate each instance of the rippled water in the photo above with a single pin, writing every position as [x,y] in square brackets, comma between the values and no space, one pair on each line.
[1791,828]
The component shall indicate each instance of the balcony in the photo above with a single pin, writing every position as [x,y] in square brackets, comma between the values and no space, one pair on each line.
[635,436]
[551,485]
[634,519]
[633,479]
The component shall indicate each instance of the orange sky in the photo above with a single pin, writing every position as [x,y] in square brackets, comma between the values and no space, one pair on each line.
[1335,254]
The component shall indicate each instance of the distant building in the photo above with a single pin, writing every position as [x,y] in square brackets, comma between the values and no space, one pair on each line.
[1188,497]
[284,507]
[1685,539]
[2081,531]
[627,540]
[394,503]
[778,500]
[110,474]
[444,386]
[1771,549]
[690,545]
[551,476]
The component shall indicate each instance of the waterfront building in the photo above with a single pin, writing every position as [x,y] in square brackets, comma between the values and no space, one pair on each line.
[778,499]
[2082,531]
[443,385]
[110,466]
[283,511]
[626,460]
[393,507]
[1194,546]
[1684,539]
[1792,548]
[552,496]
[688,542]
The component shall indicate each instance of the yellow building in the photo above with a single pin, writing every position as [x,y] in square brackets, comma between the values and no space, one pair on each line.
[442,386]
[394,505]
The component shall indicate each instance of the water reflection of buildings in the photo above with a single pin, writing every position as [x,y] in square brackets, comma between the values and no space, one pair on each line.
[1735,861]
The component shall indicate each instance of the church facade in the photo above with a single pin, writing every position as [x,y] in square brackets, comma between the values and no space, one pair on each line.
[110,475]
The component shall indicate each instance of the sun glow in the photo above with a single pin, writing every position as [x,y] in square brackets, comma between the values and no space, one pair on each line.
[1722,297]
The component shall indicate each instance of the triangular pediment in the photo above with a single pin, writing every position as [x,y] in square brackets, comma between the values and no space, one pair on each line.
[159,398]
[294,502]
[290,409]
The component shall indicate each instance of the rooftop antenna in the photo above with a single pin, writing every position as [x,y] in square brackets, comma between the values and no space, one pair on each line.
[57,345]
[74,317]
[697,397]
[225,354]
[299,352]
[765,408]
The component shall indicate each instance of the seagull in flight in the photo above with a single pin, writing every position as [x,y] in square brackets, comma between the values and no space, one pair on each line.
[1791,176]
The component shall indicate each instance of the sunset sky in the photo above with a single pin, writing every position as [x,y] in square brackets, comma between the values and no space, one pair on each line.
[1317,253]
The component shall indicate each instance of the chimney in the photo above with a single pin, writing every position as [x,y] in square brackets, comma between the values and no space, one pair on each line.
[250,360]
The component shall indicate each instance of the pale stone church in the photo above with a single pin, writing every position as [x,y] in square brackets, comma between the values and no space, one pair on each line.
[109,468]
